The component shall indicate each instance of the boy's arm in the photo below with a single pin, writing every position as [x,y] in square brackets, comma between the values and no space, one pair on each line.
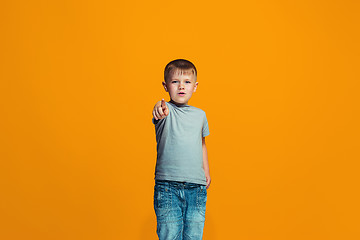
[206,163]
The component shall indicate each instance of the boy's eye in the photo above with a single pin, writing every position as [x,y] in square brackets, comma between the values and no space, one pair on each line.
[177,81]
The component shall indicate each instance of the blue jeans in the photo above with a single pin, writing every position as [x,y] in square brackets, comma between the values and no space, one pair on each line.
[180,210]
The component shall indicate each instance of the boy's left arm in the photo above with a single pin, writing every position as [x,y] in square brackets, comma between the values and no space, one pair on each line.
[206,163]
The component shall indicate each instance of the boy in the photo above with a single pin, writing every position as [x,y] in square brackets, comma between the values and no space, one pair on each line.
[182,170]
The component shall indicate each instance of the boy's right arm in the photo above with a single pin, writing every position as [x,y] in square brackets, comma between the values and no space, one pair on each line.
[160,110]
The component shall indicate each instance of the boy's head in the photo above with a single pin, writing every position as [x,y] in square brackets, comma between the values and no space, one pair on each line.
[180,77]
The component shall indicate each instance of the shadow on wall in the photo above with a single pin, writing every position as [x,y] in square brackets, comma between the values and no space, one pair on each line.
[209,229]
[149,228]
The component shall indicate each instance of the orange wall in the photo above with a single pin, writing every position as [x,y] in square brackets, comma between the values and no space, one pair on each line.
[279,81]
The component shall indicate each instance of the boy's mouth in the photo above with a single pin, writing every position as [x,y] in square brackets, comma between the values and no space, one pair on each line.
[181,93]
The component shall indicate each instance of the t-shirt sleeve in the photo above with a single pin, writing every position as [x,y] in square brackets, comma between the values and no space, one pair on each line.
[154,121]
[205,129]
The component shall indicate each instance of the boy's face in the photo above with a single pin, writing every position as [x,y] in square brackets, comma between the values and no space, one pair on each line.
[181,87]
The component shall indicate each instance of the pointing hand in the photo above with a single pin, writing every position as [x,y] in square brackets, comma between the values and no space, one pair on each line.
[160,110]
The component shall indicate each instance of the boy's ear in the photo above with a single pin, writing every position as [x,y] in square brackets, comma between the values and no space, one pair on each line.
[164,84]
[196,84]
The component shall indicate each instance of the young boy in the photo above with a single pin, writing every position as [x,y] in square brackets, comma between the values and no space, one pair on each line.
[182,170]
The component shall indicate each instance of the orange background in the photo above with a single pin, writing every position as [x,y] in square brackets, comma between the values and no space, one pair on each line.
[279,81]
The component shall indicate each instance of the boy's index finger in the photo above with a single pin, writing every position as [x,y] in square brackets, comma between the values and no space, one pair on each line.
[163,103]
[164,108]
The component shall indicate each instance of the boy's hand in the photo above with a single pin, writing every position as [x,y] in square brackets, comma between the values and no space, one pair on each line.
[160,110]
[208,181]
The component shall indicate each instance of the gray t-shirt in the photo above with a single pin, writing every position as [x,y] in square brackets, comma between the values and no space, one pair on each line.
[179,144]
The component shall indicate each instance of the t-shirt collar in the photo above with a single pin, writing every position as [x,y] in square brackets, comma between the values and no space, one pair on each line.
[183,105]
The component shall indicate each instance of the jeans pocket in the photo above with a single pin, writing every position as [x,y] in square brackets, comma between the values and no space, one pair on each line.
[201,199]
[162,201]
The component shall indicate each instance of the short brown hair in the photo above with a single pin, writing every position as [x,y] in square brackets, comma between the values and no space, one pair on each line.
[181,65]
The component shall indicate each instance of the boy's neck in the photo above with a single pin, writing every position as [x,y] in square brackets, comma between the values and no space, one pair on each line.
[178,104]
